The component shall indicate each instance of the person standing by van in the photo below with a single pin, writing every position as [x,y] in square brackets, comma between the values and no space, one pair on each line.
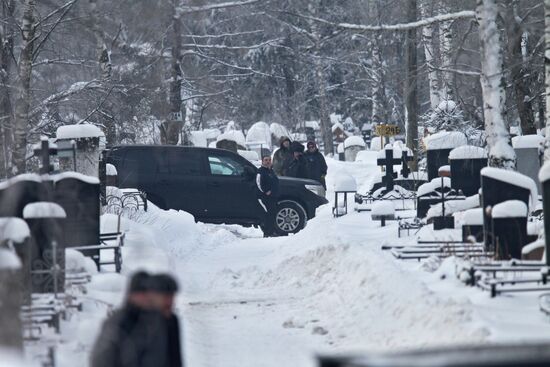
[282,156]
[268,187]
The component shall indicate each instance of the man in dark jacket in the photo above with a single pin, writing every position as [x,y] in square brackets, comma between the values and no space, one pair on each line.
[164,288]
[297,166]
[281,156]
[268,188]
[317,166]
[136,334]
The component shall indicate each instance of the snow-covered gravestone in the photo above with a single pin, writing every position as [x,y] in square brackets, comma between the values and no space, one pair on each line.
[111,175]
[90,141]
[47,254]
[509,228]
[383,211]
[528,154]
[232,140]
[19,191]
[344,184]
[430,193]
[78,195]
[340,151]
[11,297]
[352,146]
[466,164]
[472,225]
[439,147]
[499,185]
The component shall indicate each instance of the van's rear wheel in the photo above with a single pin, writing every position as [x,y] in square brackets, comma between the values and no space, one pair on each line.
[290,217]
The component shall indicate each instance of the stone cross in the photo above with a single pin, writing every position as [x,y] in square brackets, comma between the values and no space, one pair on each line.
[44,152]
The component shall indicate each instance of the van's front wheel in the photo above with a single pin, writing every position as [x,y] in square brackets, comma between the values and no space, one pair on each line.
[290,217]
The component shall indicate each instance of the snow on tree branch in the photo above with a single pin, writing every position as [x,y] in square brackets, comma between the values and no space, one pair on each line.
[229,4]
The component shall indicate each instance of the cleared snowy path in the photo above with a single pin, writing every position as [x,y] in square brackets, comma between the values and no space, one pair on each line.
[277,302]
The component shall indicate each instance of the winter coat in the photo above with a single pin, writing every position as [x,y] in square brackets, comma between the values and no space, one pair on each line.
[174,345]
[267,180]
[280,157]
[297,167]
[317,165]
[132,337]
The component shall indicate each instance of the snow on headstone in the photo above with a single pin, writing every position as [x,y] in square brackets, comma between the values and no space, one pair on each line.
[473,217]
[233,135]
[510,209]
[353,145]
[514,178]
[43,209]
[90,141]
[110,170]
[278,131]
[260,134]
[468,152]
[14,230]
[383,208]
[345,182]
[527,141]
[250,155]
[445,140]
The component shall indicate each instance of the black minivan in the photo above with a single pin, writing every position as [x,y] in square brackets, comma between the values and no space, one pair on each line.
[214,185]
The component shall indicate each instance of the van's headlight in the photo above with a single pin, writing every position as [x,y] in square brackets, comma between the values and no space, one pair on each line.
[316,189]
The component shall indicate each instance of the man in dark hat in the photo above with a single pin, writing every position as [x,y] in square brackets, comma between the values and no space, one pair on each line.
[317,166]
[281,156]
[164,289]
[267,183]
[297,166]
[134,335]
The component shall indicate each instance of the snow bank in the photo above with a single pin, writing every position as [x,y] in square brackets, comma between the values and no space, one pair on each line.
[211,134]
[13,358]
[14,229]
[76,262]
[445,140]
[80,131]
[345,182]
[513,178]
[198,138]
[468,152]
[43,209]
[397,151]
[354,141]
[473,217]
[233,135]
[111,170]
[509,209]
[527,141]
[9,261]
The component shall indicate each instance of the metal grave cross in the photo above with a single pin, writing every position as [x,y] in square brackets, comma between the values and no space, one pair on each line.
[44,152]
[389,161]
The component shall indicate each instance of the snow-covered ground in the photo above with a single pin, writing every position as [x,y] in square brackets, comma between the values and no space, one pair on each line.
[251,301]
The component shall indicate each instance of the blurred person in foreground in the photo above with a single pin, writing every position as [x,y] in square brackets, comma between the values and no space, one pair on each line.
[163,292]
[135,335]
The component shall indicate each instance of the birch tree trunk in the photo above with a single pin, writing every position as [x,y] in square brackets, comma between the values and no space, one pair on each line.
[501,154]
[411,98]
[22,102]
[547,77]
[7,34]
[377,71]
[429,52]
[171,128]
[519,70]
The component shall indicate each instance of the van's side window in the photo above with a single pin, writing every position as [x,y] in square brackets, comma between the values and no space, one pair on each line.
[224,166]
